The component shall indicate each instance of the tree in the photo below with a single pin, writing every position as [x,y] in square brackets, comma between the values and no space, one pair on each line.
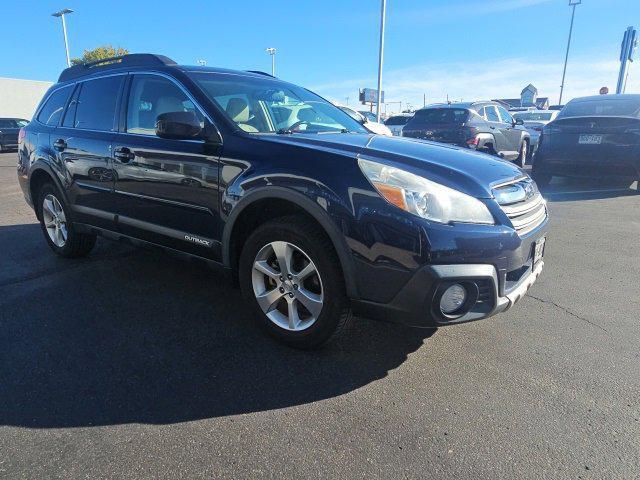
[98,53]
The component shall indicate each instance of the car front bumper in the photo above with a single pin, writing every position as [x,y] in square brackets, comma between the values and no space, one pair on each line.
[416,303]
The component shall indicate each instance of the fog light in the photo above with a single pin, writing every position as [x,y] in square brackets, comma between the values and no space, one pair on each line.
[453,298]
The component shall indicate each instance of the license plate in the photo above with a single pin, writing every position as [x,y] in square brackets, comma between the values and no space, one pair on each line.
[538,250]
[588,139]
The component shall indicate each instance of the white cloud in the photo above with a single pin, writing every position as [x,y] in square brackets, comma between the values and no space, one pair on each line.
[481,80]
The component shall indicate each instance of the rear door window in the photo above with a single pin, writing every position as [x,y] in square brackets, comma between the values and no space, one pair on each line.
[96,108]
[491,114]
[51,111]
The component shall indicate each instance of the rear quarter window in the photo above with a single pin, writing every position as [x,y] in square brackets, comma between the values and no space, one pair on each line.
[53,107]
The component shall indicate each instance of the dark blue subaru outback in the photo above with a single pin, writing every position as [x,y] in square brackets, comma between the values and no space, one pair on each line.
[317,218]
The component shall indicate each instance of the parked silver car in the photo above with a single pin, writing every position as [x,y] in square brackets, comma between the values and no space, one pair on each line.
[534,120]
[397,122]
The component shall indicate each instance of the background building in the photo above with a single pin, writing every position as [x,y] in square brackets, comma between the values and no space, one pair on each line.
[528,98]
[19,98]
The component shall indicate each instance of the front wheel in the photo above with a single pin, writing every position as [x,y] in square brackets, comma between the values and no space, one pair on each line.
[521,161]
[292,278]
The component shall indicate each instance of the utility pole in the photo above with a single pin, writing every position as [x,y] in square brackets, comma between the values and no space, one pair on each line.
[572,3]
[381,56]
[272,51]
[61,14]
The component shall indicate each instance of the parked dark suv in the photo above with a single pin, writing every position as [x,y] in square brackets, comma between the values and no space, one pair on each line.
[482,126]
[9,128]
[316,217]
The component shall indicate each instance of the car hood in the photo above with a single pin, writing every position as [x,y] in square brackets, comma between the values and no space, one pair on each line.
[465,170]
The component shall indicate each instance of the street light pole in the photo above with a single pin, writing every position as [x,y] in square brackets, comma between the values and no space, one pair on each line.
[272,51]
[61,14]
[572,3]
[381,57]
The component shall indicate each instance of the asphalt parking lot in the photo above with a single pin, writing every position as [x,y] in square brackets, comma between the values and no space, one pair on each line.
[137,364]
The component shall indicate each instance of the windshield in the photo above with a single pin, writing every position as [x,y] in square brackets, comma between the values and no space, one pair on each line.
[266,105]
[441,115]
[534,116]
[622,107]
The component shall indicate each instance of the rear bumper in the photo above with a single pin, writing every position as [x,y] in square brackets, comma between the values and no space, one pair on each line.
[575,164]
[414,304]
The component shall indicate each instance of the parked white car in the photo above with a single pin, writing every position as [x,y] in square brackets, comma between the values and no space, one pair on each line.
[534,120]
[373,127]
[396,123]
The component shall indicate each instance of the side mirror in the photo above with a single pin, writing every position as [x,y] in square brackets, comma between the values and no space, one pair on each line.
[178,126]
[519,121]
[363,120]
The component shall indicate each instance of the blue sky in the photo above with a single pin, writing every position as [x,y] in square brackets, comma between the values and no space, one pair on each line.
[464,48]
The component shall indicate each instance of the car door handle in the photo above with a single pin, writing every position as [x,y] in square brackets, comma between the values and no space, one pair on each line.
[492,127]
[123,154]
[60,144]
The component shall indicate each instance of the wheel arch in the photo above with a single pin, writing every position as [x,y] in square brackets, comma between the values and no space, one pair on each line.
[40,174]
[243,217]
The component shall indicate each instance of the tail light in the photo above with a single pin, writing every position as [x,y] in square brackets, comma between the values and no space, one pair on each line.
[21,135]
[473,141]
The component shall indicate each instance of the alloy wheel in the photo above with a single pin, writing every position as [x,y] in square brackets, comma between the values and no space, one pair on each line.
[55,220]
[287,286]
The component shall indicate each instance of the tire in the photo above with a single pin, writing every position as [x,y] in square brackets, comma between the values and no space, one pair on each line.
[55,221]
[542,179]
[521,161]
[308,248]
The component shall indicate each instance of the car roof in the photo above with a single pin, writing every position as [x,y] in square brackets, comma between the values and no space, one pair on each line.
[142,61]
[615,96]
[480,103]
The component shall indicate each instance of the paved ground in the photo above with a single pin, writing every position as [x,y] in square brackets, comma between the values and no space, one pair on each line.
[135,364]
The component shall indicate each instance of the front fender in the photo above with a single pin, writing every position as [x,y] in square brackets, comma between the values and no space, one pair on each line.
[316,210]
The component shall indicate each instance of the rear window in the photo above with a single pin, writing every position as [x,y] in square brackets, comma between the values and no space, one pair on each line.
[441,115]
[398,120]
[51,111]
[533,116]
[617,107]
[7,123]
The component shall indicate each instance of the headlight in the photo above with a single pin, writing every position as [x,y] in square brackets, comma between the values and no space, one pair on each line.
[423,197]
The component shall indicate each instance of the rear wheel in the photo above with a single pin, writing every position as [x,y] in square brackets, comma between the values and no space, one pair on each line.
[59,231]
[291,275]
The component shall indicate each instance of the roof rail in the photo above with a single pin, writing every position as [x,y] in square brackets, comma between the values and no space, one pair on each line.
[261,73]
[129,60]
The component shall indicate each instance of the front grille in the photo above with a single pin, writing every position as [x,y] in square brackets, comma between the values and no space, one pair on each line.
[523,204]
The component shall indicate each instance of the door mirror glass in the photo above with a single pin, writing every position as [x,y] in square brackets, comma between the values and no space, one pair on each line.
[178,126]
[519,121]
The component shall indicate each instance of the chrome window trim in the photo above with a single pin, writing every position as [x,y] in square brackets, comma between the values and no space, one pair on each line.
[74,84]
